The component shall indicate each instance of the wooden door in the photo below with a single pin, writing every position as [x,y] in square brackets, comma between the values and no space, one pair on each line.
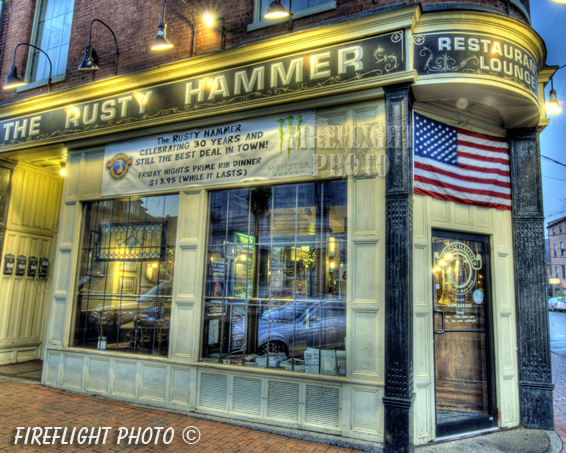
[462,333]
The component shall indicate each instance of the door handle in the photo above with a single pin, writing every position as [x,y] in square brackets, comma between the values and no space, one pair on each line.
[443,321]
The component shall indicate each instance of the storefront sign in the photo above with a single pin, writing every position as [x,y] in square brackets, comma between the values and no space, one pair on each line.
[461,265]
[263,148]
[300,73]
[467,53]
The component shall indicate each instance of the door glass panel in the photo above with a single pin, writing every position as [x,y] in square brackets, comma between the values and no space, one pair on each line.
[462,354]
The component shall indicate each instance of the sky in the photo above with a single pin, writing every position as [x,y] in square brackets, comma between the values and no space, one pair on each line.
[549,19]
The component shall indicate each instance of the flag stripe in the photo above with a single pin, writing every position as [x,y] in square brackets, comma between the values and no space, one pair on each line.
[462,189]
[474,156]
[461,166]
[487,138]
[485,204]
[487,168]
[429,171]
[482,172]
[475,142]
[497,154]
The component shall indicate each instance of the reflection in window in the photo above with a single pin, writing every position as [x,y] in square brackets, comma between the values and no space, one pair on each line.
[126,267]
[276,278]
[52,35]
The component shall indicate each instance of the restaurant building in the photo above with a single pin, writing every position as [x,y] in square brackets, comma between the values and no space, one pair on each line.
[330,223]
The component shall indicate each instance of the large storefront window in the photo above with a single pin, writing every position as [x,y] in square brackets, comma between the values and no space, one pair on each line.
[275,292]
[126,268]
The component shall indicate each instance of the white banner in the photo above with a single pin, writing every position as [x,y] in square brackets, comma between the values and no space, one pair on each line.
[276,146]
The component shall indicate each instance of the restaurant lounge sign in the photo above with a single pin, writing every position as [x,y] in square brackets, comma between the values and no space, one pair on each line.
[317,70]
[474,53]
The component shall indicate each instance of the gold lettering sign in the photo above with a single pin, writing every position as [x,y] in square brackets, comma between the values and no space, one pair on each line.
[459,266]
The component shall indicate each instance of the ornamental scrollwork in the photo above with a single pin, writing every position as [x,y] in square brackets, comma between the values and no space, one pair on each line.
[397,37]
[445,63]
[419,40]
[389,62]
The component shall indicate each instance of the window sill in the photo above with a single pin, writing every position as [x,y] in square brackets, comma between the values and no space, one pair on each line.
[41,83]
[263,23]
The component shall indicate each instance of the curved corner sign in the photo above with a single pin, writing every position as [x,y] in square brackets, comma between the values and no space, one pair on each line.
[474,53]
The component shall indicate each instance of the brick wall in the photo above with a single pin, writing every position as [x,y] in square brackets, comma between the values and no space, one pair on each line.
[135,25]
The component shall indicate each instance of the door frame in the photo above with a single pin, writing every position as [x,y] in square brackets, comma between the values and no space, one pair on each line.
[491,420]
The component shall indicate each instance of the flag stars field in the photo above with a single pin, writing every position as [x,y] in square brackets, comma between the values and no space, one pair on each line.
[455,164]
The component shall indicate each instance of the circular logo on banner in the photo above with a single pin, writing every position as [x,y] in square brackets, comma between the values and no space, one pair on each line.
[118,166]
[461,266]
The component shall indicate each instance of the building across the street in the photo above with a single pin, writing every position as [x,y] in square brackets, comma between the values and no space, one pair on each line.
[331,221]
[556,230]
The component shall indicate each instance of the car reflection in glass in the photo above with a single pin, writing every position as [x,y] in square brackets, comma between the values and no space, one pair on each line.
[557,304]
[292,328]
[118,324]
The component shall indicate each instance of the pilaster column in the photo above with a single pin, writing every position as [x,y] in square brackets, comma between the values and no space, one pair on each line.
[533,340]
[6,171]
[398,397]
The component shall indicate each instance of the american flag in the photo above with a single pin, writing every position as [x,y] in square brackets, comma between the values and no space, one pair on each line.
[454,164]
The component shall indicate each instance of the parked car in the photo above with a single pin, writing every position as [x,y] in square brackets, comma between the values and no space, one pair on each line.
[292,328]
[557,304]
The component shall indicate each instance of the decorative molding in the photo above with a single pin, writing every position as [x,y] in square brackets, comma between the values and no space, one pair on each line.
[398,392]
[534,360]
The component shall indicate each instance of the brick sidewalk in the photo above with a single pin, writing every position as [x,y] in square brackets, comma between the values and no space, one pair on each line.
[27,405]
[559,379]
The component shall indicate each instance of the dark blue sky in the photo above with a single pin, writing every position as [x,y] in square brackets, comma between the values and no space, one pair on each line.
[549,20]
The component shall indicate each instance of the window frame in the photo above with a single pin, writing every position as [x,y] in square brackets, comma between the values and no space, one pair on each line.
[1,15]
[30,65]
[259,22]
[142,301]
[307,308]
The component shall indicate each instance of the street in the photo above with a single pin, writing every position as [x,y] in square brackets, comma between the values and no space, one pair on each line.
[557,332]
[557,322]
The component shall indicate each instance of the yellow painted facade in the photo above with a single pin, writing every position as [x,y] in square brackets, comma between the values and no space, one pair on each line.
[33,219]
[180,381]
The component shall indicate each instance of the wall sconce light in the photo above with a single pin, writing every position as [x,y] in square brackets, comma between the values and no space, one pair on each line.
[90,60]
[62,170]
[553,105]
[560,1]
[12,79]
[277,11]
[217,23]
[161,42]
